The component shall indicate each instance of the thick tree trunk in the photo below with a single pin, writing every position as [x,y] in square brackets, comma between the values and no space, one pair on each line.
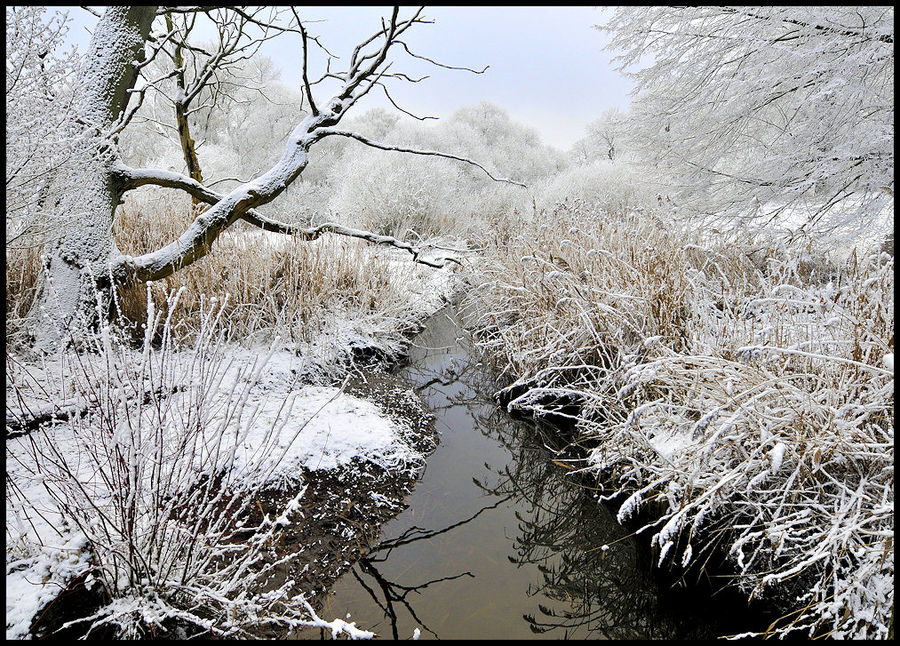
[77,262]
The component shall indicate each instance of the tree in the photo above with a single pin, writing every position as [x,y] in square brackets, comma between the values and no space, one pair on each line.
[756,112]
[204,76]
[84,260]
[38,96]
[603,140]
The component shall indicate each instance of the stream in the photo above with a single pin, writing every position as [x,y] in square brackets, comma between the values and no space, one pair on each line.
[499,541]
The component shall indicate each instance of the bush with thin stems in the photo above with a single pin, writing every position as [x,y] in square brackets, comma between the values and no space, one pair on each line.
[157,457]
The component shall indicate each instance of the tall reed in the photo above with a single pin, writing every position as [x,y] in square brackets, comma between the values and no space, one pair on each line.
[742,395]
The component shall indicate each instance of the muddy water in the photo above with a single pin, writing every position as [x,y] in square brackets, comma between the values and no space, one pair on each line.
[501,542]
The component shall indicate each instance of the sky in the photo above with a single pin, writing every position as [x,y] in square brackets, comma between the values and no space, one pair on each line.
[547,66]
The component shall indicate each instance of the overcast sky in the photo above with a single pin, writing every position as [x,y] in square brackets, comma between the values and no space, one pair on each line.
[547,65]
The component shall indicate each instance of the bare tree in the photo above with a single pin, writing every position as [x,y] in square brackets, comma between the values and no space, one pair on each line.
[84,261]
[603,140]
[204,76]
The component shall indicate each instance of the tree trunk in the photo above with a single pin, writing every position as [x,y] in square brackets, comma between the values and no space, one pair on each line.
[188,148]
[77,262]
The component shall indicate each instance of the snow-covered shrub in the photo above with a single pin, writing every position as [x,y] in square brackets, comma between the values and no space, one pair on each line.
[155,466]
[741,397]
[601,185]
[604,139]
[486,133]
[398,195]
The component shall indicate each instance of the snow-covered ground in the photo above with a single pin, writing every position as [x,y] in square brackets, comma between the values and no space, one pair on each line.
[250,411]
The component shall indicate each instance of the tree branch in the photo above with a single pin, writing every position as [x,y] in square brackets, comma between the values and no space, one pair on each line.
[133,178]
[309,96]
[413,151]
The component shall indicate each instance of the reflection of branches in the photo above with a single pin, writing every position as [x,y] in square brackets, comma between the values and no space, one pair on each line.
[392,593]
[607,591]
[593,579]
[395,591]
[409,536]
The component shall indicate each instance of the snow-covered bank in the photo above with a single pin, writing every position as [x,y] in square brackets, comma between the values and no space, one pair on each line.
[120,483]
[739,401]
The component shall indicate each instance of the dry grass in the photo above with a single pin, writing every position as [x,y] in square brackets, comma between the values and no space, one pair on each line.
[277,284]
[740,396]
[163,548]
[23,267]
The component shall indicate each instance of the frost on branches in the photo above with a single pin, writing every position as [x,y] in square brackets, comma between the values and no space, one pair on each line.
[761,112]
[39,94]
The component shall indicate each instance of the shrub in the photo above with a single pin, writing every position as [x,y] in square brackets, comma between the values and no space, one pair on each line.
[602,185]
[148,465]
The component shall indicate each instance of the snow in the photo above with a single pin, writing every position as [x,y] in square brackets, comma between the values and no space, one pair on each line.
[671,444]
[777,456]
[334,427]
[338,626]
[34,582]
[276,423]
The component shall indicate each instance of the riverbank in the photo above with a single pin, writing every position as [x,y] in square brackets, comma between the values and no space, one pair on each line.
[575,354]
[309,473]
[737,398]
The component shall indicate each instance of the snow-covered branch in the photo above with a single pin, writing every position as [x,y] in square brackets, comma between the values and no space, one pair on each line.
[134,178]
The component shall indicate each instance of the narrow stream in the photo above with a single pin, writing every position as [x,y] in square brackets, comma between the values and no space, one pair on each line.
[499,541]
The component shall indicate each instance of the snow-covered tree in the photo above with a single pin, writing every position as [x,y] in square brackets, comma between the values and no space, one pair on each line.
[414,197]
[39,93]
[761,112]
[206,76]
[84,261]
[235,131]
[604,139]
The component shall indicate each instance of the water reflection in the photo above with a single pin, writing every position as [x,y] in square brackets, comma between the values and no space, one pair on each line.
[501,538]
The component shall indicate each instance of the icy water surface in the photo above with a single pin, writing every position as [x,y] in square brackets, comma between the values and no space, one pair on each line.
[499,541]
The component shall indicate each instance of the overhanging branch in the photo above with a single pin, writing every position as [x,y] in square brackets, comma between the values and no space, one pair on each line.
[413,151]
[133,178]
